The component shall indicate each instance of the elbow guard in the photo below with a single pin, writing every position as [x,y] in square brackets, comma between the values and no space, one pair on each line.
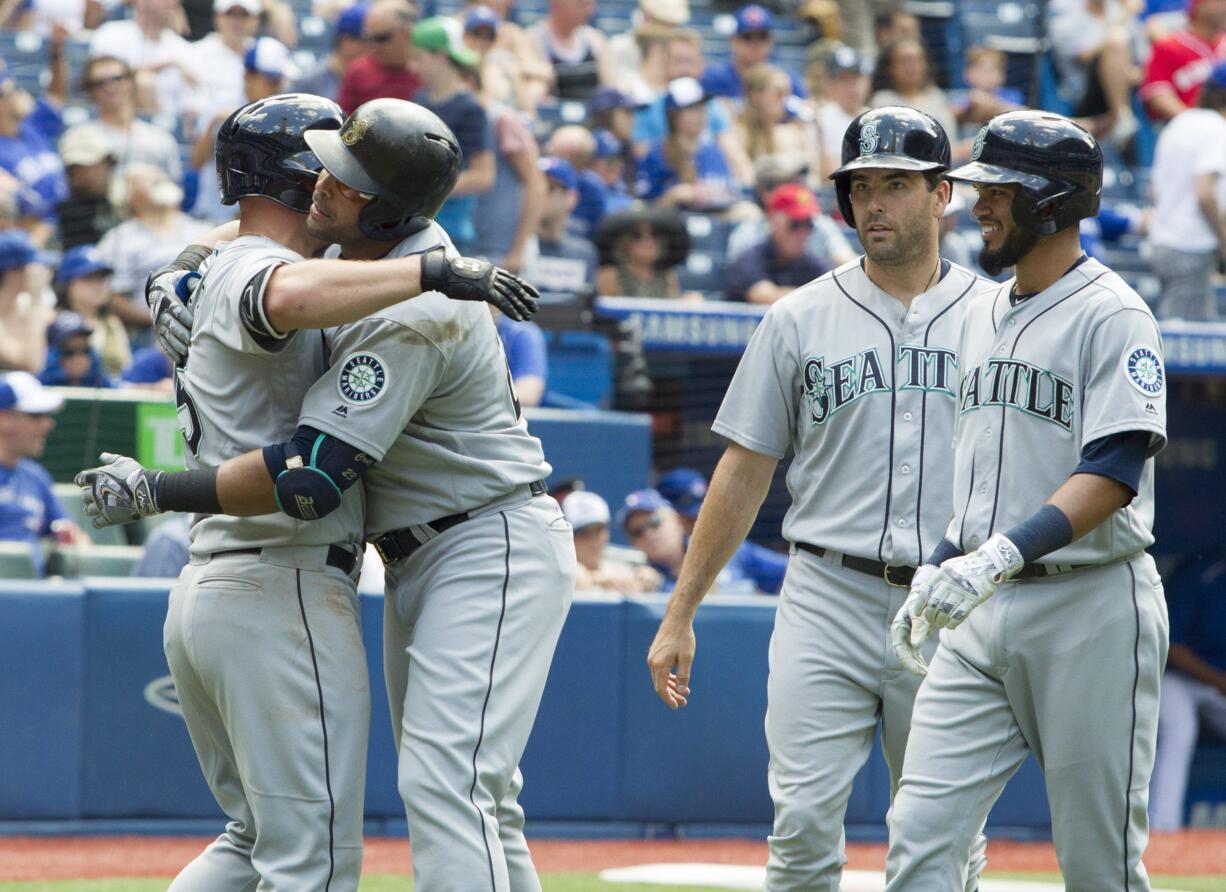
[312,471]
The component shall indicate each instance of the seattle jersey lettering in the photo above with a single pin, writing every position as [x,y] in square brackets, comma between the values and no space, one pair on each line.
[829,389]
[927,368]
[1019,385]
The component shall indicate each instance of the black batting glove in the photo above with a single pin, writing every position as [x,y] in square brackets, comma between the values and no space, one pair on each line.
[464,278]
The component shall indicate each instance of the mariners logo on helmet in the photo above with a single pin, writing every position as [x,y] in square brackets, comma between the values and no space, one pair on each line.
[1144,368]
[977,148]
[362,380]
[355,131]
[868,138]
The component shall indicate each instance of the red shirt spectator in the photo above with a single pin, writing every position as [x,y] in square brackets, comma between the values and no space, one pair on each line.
[1181,62]
[384,73]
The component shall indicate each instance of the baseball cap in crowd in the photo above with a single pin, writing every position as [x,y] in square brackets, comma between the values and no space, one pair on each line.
[85,144]
[269,57]
[22,392]
[640,500]
[607,144]
[602,99]
[251,7]
[1217,75]
[65,326]
[560,171]
[442,34]
[794,200]
[846,60]
[482,17]
[683,92]
[685,489]
[16,249]
[583,509]
[670,12]
[83,260]
[753,18]
[349,22]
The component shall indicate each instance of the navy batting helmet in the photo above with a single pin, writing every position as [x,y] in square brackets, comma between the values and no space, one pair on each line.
[401,154]
[1058,165]
[261,150]
[892,136]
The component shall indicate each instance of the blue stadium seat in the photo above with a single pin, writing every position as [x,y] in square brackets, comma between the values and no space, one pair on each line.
[580,369]
[708,234]
[703,271]
[26,56]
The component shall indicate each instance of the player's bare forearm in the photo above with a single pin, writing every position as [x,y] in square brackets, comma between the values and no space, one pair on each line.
[323,293]
[1184,659]
[737,489]
[1088,499]
[244,487]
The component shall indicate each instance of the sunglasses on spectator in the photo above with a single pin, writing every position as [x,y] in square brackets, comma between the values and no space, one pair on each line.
[381,38]
[651,523]
[798,225]
[482,33]
[103,81]
[639,235]
[74,351]
[756,36]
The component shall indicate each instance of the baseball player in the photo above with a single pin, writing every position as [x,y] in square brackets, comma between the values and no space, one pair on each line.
[1055,630]
[480,565]
[262,635]
[855,372]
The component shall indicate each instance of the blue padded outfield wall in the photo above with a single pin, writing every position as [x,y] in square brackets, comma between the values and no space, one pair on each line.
[90,731]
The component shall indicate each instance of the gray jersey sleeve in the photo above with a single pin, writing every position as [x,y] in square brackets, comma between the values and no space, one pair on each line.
[1125,379]
[760,406]
[240,272]
[382,372]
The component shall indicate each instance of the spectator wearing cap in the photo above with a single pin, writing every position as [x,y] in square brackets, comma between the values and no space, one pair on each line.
[383,72]
[108,83]
[71,361]
[844,96]
[685,488]
[512,70]
[588,515]
[607,172]
[751,43]
[564,266]
[608,108]
[626,50]
[687,169]
[348,43]
[1188,225]
[640,250]
[827,242]
[577,52]
[440,60]
[1181,62]
[906,75]
[29,509]
[153,236]
[765,126]
[23,316]
[29,129]
[782,261]
[86,213]
[83,287]
[577,145]
[217,58]
[652,525]
[161,60]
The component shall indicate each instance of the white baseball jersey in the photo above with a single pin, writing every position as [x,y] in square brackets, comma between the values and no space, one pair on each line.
[424,388]
[856,385]
[1040,380]
[242,388]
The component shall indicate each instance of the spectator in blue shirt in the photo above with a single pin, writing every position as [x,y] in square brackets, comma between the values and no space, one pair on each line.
[71,360]
[524,345]
[29,131]
[685,488]
[751,43]
[149,369]
[782,261]
[1194,686]
[607,172]
[29,510]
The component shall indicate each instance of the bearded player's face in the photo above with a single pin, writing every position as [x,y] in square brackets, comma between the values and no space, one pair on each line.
[333,216]
[1004,243]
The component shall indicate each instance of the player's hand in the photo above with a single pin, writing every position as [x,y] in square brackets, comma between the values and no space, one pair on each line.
[910,630]
[464,278]
[965,582]
[670,658]
[169,296]
[120,491]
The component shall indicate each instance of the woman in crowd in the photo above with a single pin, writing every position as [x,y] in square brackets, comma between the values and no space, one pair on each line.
[906,73]
[764,126]
[640,250]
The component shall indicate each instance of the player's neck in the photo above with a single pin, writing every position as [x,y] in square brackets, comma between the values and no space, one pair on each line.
[1048,261]
[905,282]
[367,249]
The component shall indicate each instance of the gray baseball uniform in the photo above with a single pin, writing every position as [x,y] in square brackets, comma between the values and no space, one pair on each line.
[262,632]
[1067,665]
[474,611]
[862,389]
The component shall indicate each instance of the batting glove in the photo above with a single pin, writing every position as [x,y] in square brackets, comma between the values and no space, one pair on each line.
[965,582]
[463,278]
[910,630]
[169,296]
[120,491]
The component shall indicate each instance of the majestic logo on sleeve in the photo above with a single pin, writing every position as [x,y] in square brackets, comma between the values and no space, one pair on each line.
[927,368]
[1019,385]
[829,389]
[363,379]
[1143,366]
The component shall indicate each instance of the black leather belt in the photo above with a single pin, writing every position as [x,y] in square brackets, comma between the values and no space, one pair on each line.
[399,544]
[338,556]
[1039,571]
[893,574]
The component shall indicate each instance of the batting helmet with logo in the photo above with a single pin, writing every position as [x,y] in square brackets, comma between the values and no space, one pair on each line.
[399,153]
[1057,164]
[261,150]
[892,136]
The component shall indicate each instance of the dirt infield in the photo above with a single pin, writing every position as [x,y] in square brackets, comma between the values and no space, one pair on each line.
[58,858]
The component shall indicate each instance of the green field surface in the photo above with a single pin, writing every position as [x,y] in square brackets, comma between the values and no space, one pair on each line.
[557,882]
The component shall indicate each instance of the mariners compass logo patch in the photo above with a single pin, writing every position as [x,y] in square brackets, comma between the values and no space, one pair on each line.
[355,131]
[977,147]
[1143,366]
[363,379]
[869,139]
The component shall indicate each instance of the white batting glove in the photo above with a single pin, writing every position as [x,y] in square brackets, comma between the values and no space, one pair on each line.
[120,491]
[963,583]
[910,630]
[169,298]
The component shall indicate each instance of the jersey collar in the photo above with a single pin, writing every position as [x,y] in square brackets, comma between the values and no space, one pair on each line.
[1079,275]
